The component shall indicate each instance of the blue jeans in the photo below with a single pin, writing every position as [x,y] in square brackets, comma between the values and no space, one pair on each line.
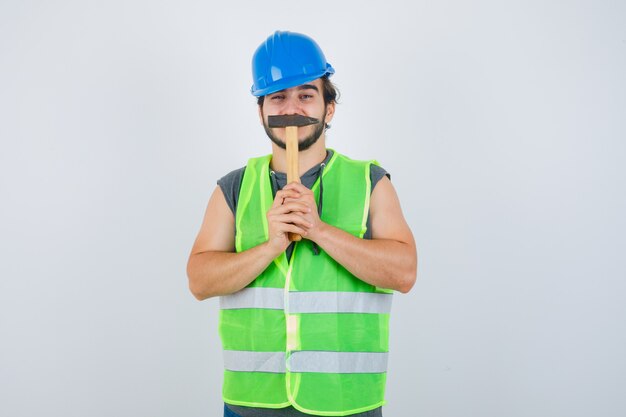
[372,413]
[229,413]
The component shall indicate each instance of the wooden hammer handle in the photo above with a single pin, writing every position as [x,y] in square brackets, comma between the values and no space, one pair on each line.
[293,173]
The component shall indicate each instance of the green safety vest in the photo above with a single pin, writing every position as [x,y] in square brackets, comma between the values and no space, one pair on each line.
[306,332]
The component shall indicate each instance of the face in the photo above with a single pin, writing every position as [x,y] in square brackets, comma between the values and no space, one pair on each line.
[306,100]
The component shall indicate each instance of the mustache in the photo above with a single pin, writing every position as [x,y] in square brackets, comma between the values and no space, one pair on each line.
[303,145]
[307,142]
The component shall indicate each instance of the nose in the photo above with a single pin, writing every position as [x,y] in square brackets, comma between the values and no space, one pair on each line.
[291,105]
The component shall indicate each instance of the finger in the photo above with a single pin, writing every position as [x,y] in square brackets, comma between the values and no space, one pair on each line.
[294,206]
[281,195]
[296,186]
[290,218]
[280,228]
[308,201]
[288,193]
[293,200]
[291,228]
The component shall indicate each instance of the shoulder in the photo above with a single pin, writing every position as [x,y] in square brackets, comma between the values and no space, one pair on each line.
[232,176]
[376,171]
[230,185]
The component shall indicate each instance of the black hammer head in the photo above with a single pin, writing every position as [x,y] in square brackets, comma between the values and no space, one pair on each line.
[290,120]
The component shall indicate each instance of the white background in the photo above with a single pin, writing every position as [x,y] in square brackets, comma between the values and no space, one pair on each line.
[503,124]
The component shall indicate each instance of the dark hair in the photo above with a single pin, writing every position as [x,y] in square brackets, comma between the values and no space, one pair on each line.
[329,91]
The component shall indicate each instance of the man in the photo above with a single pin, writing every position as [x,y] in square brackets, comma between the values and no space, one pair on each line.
[304,325]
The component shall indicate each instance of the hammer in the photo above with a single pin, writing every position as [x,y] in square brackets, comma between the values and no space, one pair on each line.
[291,123]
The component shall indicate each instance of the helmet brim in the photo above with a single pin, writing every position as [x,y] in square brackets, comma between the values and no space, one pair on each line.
[285,83]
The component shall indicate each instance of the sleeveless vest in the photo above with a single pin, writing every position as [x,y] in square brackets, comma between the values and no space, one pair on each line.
[306,332]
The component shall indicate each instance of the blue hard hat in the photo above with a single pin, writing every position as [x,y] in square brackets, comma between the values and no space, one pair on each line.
[287,59]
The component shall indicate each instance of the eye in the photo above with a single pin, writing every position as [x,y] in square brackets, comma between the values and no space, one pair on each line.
[277,97]
[306,96]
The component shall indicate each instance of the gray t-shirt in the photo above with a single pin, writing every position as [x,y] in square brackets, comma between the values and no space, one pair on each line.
[231,185]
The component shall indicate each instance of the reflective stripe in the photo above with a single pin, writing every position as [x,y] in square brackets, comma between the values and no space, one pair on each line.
[339,302]
[247,361]
[338,362]
[306,361]
[254,297]
[309,301]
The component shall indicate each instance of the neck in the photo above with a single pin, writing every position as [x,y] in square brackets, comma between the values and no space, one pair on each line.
[306,159]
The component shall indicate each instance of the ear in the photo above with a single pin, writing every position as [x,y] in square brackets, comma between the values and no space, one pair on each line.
[260,114]
[330,112]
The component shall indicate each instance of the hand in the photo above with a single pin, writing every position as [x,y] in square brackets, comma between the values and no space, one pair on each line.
[287,214]
[312,224]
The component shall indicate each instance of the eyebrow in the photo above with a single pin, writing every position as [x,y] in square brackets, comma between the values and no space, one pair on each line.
[308,87]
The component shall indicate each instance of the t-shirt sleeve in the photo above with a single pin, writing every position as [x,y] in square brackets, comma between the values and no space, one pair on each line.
[376,174]
[230,185]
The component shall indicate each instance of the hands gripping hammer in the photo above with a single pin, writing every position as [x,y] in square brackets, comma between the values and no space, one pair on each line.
[291,123]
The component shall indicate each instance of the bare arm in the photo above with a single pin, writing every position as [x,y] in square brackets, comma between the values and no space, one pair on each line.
[214,268]
[389,259]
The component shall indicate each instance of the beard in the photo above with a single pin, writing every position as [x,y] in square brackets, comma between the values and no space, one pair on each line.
[306,143]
